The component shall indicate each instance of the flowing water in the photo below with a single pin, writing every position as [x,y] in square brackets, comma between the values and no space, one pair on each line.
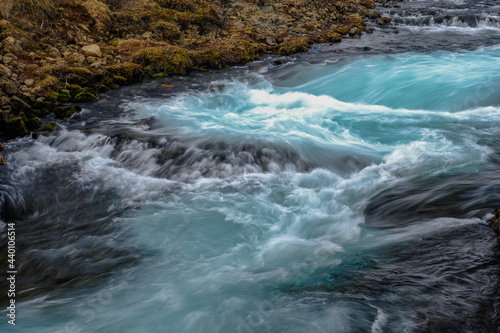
[345,190]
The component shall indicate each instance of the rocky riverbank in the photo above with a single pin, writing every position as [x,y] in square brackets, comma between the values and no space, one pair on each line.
[54,53]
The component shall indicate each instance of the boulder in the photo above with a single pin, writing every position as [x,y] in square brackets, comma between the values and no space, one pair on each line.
[44,130]
[11,45]
[19,106]
[54,53]
[382,21]
[4,101]
[92,50]
[8,87]
[4,70]
[8,58]
[367,3]
[373,14]
[15,128]
[78,58]
[354,32]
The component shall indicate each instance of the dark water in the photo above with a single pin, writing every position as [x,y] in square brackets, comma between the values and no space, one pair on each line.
[345,190]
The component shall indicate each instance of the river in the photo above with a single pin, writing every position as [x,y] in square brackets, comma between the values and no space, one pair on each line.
[346,189]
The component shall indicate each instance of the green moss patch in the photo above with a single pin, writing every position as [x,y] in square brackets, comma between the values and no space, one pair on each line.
[64,96]
[85,95]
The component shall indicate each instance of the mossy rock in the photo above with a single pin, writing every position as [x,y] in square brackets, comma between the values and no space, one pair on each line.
[319,39]
[64,96]
[44,107]
[370,4]
[72,75]
[355,21]
[15,127]
[333,37]
[19,106]
[340,29]
[52,96]
[64,70]
[49,83]
[168,60]
[33,123]
[131,72]
[169,30]
[66,112]
[85,72]
[44,130]
[295,45]
[102,88]
[119,80]
[226,53]
[79,80]
[200,69]
[73,89]
[108,82]
[85,95]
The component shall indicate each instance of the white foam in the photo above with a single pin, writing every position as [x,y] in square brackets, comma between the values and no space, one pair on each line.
[380,322]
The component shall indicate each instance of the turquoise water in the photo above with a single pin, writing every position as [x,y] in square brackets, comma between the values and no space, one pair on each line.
[241,207]
[347,189]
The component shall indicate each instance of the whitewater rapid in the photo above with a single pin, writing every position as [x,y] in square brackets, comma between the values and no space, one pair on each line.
[336,192]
